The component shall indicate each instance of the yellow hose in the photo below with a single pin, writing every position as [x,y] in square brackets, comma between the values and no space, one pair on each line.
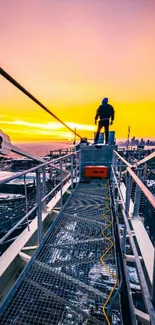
[105,253]
[102,257]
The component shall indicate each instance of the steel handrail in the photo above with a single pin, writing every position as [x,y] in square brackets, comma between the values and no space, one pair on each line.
[17,224]
[143,283]
[63,149]
[121,158]
[143,188]
[33,209]
[142,161]
[55,188]
[17,175]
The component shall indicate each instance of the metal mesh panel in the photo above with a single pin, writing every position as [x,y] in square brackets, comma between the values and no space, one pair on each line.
[67,283]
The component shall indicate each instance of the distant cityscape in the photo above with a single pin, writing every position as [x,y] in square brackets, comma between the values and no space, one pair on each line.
[137,142]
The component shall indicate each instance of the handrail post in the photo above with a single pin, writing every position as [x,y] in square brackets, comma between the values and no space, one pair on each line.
[51,173]
[113,160]
[128,194]
[44,186]
[113,180]
[39,205]
[116,163]
[137,196]
[61,180]
[127,206]
[79,166]
[153,283]
[72,160]
[120,172]
[76,166]
[26,202]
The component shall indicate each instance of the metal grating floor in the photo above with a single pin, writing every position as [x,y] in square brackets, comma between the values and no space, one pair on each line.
[66,283]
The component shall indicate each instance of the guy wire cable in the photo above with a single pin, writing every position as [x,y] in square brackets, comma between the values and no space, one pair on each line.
[28,94]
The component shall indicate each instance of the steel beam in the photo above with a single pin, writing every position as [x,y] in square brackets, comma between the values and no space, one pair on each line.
[29,248]
[25,257]
[131,258]
[142,317]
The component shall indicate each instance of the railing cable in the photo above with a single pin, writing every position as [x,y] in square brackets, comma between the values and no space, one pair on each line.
[28,94]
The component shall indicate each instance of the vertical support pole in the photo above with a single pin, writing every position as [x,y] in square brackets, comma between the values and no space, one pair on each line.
[128,193]
[51,169]
[153,283]
[76,166]
[51,174]
[79,165]
[44,186]
[65,163]
[61,185]
[116,160]
[26,202]
[117,204]
[137,196]
[112,178]
[124,241]
[113,161]
[39,205]
[145,173]
[114,188]
[127,206]
[114,171]
[72,173]
[120,172]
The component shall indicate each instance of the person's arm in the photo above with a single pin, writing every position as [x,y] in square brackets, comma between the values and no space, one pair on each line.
[97,115]
[112,115]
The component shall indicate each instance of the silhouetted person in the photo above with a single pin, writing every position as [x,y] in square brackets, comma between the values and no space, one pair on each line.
[105,112]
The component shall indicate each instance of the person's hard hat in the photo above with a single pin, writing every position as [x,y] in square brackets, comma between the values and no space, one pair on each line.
[105,100]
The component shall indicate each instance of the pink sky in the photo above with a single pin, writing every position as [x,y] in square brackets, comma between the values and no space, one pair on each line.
[71,53]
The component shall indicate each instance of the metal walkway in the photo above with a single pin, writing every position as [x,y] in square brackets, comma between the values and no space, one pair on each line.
[72,275]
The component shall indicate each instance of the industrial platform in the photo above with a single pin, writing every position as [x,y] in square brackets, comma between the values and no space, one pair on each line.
[68,281]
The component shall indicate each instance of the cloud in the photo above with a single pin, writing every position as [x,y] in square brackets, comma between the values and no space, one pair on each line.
[24,129]
[38,133]
[50,125]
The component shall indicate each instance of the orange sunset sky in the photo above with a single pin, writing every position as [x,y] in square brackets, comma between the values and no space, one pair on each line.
[70,54]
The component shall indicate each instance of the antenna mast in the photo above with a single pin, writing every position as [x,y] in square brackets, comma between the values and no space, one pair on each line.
[128,138]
